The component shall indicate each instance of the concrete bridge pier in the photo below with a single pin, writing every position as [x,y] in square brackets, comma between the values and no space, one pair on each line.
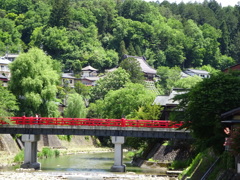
[118,154]
[30,151]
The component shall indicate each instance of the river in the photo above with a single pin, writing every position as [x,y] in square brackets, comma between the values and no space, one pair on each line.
[85,166]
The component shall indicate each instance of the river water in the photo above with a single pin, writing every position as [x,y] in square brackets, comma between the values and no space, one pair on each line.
[86,166]
[90,162]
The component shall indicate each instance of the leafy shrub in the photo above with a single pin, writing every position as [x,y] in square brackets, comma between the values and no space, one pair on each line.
[19,157]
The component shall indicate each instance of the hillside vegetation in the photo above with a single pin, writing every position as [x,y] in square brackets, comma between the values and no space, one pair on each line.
[82,32]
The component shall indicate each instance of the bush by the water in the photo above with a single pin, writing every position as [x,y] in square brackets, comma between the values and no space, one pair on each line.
[180,164]
[48,152]
[45,153]
[19,157]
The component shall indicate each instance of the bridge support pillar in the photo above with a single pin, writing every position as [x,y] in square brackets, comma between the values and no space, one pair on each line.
[30,151]
[118,154]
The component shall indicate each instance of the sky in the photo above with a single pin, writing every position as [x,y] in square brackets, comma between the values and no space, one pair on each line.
[223,2]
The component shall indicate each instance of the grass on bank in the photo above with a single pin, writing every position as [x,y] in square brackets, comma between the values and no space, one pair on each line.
[203,161]
[180,164]
[226,162]
[45,153]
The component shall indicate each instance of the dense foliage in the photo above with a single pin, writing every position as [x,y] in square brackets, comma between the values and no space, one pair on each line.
[97,32]
[112,81]
[120,103]
[8,103]
[204,104]
[75,106]
[34,82]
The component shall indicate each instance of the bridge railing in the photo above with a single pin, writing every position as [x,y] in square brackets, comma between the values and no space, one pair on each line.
[92,122]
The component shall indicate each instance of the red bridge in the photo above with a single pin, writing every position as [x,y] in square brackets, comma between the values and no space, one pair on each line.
[32,127]
[93,127]
[92,122]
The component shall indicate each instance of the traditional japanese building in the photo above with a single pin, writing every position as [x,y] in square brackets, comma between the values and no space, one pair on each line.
[196,72]
[148,71]
[168,103]
[236,67]
[4,71]
[89,71]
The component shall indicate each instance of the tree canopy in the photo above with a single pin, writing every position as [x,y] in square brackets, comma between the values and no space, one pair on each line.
[112,81]
[100,32]
[34,83]
[132,67]
[8,103]
[204,104]
[75,106]
[121,102]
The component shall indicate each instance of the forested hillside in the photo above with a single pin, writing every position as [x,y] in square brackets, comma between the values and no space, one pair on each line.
[99,32]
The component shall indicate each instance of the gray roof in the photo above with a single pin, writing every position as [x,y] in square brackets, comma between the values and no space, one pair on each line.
[11,55]
[168,100]
[184,75]
[143,64]
[4,61]
[89,68]
[91,78]
[196,71]
[68,75]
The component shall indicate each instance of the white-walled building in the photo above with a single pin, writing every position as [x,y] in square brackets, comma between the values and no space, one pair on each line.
[89,71]
[200,73]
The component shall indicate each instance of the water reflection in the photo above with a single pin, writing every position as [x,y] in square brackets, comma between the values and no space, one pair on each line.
[91,162]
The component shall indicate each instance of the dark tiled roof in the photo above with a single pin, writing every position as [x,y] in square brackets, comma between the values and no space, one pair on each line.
[230,113]
[143,64]
[168,100]
[68,75]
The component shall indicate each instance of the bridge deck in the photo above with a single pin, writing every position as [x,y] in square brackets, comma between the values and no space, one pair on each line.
[96,131]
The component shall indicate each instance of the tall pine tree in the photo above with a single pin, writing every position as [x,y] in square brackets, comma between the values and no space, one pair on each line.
[60,14]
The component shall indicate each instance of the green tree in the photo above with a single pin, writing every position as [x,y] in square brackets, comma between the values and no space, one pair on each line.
[121,102]
[112,81]
[33,82]
[203,106]
[132,67]
[60,14]
[75,106]
[8,103]
[188,82]
[224,39]
[147,112]
[168,77]
[82,89]
[208,68]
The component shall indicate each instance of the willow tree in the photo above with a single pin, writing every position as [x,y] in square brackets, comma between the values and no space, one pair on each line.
[75,107]
[33,82]
[8,103]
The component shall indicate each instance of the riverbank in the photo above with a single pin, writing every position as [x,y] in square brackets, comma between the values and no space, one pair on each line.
[38,175]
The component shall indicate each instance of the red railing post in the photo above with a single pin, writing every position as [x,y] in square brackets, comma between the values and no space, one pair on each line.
[123,122]
[24,119]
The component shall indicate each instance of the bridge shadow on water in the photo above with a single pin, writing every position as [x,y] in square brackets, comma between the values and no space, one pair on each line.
[101,159]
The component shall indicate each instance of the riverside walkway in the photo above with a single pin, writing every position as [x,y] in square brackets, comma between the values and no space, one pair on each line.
[32,127]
